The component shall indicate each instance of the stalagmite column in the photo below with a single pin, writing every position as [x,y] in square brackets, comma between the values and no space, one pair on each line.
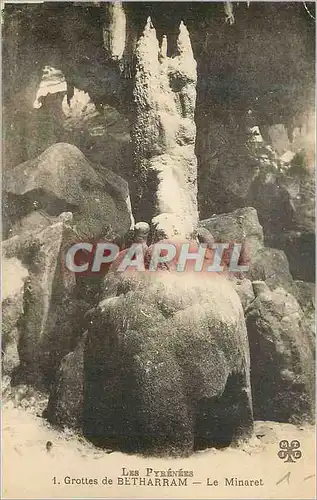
[163,133]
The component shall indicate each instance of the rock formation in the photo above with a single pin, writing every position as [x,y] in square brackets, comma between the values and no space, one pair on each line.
[62,180]
[185,109]
[14,274]
[66,401]
[44,329]
[167,364]
[242,226]
[163,133]
[38,191]
[282,357]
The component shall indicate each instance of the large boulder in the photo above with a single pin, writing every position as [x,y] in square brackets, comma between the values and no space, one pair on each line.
[167,364]
[282,357]
[34,221]
[66,402]
[305,294]
[241,226]
[45,329]
[14,274]
[270,265]
[62,180]
[244,289]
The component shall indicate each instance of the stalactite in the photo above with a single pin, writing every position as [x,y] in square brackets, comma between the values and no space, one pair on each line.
[228,8]
[114,33]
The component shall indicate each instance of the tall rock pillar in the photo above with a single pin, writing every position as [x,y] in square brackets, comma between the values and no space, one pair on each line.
[163,134]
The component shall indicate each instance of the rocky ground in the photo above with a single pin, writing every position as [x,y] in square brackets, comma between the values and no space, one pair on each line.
[29,456]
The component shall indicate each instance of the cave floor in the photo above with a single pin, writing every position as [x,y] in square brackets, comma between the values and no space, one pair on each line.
[25,437]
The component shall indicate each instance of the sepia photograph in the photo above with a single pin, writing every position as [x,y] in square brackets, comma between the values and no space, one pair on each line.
[158,250]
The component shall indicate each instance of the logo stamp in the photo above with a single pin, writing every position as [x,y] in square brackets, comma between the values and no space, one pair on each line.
[289,451]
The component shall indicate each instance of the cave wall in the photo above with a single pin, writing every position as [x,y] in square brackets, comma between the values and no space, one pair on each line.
[242,68]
